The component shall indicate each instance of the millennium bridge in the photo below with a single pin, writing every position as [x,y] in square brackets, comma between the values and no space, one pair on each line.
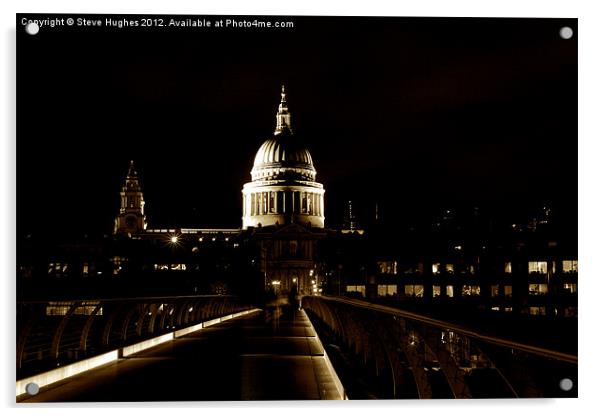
[204,348]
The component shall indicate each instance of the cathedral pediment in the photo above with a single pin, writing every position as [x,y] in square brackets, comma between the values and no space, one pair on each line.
[293,228]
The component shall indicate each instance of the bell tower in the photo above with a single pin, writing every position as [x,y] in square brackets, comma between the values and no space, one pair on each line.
[131,218]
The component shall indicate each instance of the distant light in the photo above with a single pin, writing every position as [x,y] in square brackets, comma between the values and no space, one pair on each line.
[275,282]
[313,282]
[320,290]
[227,238]
[200,238]
[458,248]
[190,309]
[213,239]
[294,279]
[315,290]
[174,239]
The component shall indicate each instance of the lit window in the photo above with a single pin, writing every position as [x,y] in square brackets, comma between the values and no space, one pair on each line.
[416,291]
[449,268]
[508,267]
[161,266]
[508,291]
[449,291]
[471,290]
[62,308]
[361,289]
[537,310]
[56,308]
[85,269]
[570,287]
[436,291]
[387,267]
[538,267]
[569,266]
[538,289]
[387,290]
[436,268]
[495,291]
[179,266]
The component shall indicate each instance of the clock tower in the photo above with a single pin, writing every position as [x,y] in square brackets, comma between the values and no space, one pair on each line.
[131,218]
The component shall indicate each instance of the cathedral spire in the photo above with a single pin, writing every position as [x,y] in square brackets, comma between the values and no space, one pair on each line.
[283,117]
[132,170]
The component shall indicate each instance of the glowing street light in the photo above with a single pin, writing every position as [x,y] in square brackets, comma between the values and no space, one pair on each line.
[174,239]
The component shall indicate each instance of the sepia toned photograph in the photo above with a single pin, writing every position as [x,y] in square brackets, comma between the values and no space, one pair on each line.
[278,208]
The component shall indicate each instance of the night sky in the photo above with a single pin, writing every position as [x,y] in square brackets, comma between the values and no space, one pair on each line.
[418,114]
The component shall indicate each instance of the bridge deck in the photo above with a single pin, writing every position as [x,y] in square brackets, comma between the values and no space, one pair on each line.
[263,356]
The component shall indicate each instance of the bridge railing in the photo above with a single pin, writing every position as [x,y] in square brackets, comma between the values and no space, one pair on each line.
[52,334]
[421,357]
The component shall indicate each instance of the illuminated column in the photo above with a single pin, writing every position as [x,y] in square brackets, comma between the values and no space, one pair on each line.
[320,203]
[293,205]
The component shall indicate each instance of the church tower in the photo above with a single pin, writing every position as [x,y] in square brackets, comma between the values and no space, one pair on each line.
[131,218]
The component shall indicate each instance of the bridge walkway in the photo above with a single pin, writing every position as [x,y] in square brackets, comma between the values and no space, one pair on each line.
[270,355]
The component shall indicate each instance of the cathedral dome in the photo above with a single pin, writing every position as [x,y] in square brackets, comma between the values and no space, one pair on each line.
[283,156]
[283,188]
[282,152]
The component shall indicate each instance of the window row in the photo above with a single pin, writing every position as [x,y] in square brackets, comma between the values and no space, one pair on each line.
[540,267]
[467,290]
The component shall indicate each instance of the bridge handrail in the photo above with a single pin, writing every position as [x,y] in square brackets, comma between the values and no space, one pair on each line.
[543,352]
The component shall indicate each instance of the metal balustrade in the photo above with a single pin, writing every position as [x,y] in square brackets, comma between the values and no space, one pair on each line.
[426,358]
[52,334]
